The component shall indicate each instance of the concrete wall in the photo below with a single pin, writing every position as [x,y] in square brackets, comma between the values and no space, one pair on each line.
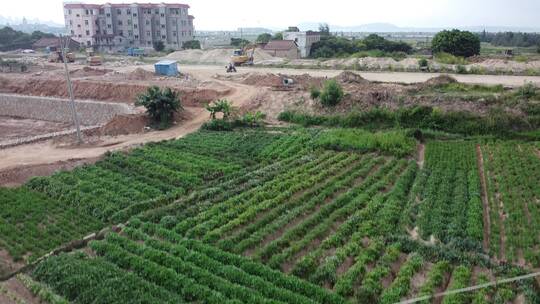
[56,109]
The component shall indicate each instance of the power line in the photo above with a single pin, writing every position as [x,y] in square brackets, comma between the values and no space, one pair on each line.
[472,288]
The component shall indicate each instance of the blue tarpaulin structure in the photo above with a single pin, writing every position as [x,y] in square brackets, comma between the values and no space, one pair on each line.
[167,68]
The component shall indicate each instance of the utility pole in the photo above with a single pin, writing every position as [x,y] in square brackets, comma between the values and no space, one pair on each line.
[70,89]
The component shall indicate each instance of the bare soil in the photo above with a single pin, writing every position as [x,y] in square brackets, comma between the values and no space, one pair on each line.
[13,127]
[16,288]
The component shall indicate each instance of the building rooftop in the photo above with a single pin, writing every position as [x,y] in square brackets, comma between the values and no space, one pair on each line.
[121,5]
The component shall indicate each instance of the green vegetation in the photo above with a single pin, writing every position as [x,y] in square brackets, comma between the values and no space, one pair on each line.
[447,58]
[331,94]
[161,105]
[11,39]
[332,46]
[397,143]
[511,39]
[456,42]
[264,38]
[159,46]
[239,43]
[192,44]
[465,123]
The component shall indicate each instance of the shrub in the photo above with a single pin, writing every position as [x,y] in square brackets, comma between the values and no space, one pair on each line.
[457,43]
[160,105]
[461,69]
[220,106]
[159,46]
[314,92]
[331,94]
[423,63]
[527,91]
[192,44]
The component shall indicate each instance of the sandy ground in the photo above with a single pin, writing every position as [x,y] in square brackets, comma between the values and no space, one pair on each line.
[11,128]
[202,71]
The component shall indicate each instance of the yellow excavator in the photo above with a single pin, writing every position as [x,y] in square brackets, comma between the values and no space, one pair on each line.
[243,56]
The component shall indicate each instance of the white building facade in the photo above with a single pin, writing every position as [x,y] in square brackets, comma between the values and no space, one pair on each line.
[304,40]
[114,27]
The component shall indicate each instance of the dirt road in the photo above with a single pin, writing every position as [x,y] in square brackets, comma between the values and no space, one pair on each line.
[207,71]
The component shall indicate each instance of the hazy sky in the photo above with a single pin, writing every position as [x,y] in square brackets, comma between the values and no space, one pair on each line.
[227,15]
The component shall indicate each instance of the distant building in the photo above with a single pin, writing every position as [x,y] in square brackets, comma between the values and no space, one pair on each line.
[304,40]
[113,27]
[283,48]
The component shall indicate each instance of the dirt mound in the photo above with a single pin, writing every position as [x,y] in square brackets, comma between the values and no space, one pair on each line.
[350,77]
[140,74]
[88,72]
[125,124]
[104,91]
[216,56]
[264,80]
[440,80]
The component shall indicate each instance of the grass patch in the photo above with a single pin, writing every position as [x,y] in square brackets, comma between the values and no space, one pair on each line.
[450,59]
[397,143]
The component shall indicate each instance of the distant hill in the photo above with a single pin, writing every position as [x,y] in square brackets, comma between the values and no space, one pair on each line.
[31,25]
[391,28]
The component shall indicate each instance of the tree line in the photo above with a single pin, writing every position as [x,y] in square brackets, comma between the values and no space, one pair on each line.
[11,39]
[515,39]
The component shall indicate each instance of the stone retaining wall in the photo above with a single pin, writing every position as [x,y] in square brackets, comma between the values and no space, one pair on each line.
[90,113]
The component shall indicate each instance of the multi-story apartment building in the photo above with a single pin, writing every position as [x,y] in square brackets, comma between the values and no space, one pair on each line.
[113,27]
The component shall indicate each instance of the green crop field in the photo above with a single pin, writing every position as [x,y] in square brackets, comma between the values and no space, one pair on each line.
[285,215]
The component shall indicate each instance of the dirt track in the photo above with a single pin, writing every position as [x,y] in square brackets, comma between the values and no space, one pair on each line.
[206,71]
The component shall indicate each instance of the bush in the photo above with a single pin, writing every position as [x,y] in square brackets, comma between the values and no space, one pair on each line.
[159,46]
[331,94]
[527,91]
[160,105]
[192,45]
[423,63]
[457,43]
[461,69]
[314,92]
[447,58]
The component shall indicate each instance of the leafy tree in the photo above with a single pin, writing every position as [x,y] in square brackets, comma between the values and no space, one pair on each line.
[160,105]
[331,94]
[238,42]
[253,119]
[264,38]
[278,36]
[192,44]
[457,43]
[159,46]
[423,63]
[324,29]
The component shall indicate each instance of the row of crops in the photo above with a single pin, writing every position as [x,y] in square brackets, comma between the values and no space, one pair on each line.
[513,179]
[279,217]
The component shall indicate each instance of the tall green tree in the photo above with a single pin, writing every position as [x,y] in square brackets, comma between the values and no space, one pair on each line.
[457,43]
[264,38]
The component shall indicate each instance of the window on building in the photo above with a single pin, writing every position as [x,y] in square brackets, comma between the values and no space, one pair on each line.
[104,32]
[101,11]
[129,22]
[147,22]
[69,12]
[163,37]
[118,11]
[148,33]
[174,33]
[97,22]
[120,22]
[88,43]
[78,25]
[70,22]
[156,11]
[120,40]
[87,13]
[120,33]
[87,33]
[108,15]
[163,26]
[79,36]
[85,22]
[128,11]
[78,15]
[135,26]
[130,33]
[109,26]
[134,15]
[149,43]
[72,32]
[136,36]
[162,15]
[97,32]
